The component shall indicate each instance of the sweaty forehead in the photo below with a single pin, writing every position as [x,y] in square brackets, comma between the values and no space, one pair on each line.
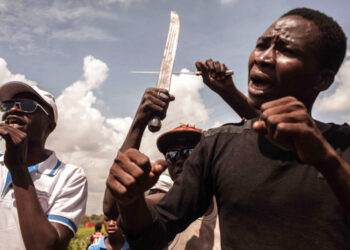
[294,29]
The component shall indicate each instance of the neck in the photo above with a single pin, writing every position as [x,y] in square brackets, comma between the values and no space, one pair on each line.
[309,107]
[309,100]
[116,241]
[36,153]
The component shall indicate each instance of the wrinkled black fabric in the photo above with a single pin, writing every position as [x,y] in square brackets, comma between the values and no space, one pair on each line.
[267,198]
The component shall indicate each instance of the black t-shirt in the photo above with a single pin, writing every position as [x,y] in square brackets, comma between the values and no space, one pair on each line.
[267,198]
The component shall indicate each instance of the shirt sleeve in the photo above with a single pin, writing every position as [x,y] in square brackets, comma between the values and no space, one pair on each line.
[187,200]
[70,203]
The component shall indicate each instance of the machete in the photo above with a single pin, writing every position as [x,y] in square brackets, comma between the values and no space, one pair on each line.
[166,68]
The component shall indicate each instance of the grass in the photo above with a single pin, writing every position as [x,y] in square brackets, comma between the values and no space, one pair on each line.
[82,238]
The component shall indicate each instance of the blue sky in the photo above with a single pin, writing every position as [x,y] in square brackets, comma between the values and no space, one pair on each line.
[82,50]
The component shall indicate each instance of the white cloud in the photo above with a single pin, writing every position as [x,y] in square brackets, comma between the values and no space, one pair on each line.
[68,11]
[217,124]
[189,106]
[228,2]
[7,76]
[83,34]
[84,137]
[123,3]
[338,101]
[26,25]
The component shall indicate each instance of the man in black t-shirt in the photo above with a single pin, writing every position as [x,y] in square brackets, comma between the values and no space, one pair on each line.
[281,181]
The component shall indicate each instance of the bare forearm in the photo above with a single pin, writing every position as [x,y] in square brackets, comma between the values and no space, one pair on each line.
[134,136]
[337,173]
[132,140]
[109,205]
[37,231]
[135,217]
[239,103]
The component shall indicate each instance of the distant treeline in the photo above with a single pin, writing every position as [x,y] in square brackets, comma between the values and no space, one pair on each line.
[92,218]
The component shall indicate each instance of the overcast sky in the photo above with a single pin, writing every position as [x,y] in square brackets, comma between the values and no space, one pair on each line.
[82,50]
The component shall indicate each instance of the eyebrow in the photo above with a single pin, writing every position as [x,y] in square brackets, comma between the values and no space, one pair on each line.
[265,38]
[279,39]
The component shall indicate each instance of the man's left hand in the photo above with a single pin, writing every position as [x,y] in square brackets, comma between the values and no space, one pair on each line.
[214,76]
[287,122]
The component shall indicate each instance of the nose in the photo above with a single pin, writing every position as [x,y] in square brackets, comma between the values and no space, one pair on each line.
[111,223]
[265,57]
[15,108]
[180,162]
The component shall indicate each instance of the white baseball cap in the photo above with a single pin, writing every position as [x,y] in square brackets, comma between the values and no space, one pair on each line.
[10,89]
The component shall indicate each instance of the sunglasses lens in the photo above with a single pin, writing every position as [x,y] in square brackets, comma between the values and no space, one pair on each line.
[187,152]
[6,106]
[25,105]
[28,105]
[172,156]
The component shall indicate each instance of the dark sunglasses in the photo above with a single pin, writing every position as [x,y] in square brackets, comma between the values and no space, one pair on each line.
[173,155]
[26,105]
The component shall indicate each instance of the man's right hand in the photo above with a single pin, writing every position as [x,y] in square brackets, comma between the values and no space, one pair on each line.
[16,147]
[131,175]
[155,102]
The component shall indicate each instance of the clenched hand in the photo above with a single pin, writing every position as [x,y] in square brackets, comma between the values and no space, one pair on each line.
[132,174]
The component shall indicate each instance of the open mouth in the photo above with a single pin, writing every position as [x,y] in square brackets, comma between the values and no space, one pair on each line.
[260,83]
[14,121]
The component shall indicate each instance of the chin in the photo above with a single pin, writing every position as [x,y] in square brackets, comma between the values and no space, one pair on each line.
[256,103]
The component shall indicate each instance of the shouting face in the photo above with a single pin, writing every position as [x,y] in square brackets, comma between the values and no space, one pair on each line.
[285,62]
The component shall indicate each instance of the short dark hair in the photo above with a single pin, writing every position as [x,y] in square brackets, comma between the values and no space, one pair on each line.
[333,40]
[98,226]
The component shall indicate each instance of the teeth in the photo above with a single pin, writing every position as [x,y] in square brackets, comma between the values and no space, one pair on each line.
[259,87]
[14,121]
[14,125]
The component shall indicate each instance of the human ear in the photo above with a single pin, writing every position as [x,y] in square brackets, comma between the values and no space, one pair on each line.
[324,80]
[52,126]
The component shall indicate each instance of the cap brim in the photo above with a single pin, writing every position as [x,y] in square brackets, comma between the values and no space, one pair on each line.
[171,137]
[10,89]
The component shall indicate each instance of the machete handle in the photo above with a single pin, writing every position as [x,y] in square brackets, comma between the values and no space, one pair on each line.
[154,125]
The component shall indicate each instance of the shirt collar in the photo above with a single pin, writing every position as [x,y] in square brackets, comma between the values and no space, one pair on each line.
[48,167]
[102,243]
